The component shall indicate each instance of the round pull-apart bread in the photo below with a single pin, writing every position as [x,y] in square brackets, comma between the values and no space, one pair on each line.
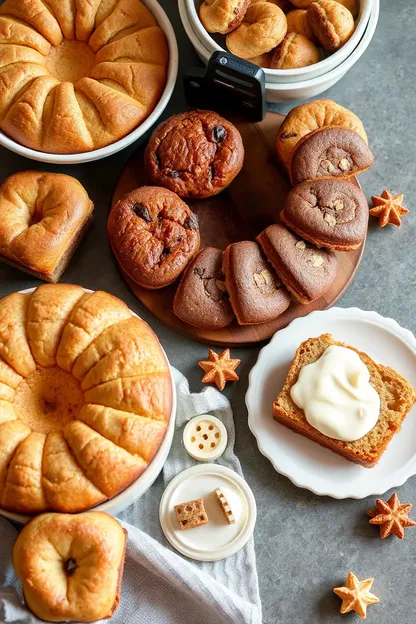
[78,76]
[85,398]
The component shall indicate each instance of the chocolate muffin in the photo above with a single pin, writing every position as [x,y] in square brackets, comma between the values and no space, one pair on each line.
[153,235]
[256,293]
[329,152]
[328,212]
[308,272]
[201,299]
[195,154]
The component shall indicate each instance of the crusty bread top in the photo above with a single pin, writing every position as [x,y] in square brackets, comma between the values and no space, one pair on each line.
[76,76]
[396,397]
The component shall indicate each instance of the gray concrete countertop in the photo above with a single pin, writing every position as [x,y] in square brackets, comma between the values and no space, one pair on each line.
[305,544]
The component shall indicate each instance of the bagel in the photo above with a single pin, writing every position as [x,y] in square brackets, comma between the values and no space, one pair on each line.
[308,117]
[71,567]
[43,217]
[262,29]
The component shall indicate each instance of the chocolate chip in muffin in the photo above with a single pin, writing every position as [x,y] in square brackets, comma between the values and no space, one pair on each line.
[218,134]
[141,211]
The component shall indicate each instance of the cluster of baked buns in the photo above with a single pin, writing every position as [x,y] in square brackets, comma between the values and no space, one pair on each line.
[278,34]
[155,236]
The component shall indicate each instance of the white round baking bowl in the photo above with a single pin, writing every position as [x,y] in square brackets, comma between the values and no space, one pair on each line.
[189,12]
[135,490]
[108,150]
[302,90]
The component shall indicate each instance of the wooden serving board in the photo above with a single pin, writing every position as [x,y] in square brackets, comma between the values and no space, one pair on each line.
[251,203]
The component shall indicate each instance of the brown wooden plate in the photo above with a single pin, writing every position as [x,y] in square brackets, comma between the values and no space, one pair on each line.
[251,203]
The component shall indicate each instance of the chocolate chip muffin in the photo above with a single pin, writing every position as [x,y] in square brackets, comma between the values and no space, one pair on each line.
[222,16]
[201,299]
[329,152]
[256,293]
[305,270]
[153,235]
[328,212]
[195,154]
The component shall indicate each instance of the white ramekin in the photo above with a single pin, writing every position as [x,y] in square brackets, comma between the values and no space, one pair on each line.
[302,90]
[108,150]
[135,490]
[188,11]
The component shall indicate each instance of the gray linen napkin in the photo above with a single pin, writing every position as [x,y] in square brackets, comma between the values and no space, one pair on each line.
[159,585]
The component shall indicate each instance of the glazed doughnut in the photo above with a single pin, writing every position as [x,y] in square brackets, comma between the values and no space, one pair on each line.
[308,117]
[195,154]
[222,16]
[294,51]
[331,23]
[262,29]
[153,235]
[71,566]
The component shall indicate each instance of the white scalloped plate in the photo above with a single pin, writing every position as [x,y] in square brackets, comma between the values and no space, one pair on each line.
[304,462]
[135,490]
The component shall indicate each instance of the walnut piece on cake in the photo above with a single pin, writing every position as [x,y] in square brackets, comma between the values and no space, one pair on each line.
[223,503]
[191,514]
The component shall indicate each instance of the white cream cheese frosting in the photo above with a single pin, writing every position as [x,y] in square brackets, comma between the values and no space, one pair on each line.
[336,395]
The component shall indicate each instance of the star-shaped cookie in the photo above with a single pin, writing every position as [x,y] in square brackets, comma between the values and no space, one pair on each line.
[219,368]
[391,516]
[356,595]
[388,208]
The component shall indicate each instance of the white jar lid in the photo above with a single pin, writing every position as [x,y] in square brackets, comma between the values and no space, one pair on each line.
[217,539]
[205,438]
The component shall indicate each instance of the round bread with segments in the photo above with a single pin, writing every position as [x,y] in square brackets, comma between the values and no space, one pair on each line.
[85,398]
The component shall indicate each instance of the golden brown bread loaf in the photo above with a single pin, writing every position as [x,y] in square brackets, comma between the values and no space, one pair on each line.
[396,400]
[85,398]
[78,76]
[43,217]
[71,567]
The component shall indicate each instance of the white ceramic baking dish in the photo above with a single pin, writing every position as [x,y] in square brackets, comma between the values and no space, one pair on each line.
[302,90]
[189,10]
[108,150]
[120,502]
